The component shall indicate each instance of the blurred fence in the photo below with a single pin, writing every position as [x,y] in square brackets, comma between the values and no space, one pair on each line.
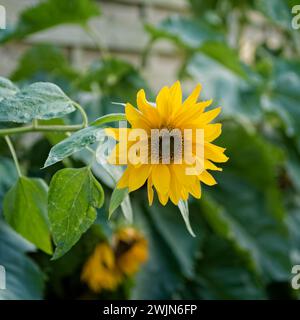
[120,28]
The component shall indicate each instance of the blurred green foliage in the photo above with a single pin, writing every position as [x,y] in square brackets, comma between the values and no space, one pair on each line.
[247,227]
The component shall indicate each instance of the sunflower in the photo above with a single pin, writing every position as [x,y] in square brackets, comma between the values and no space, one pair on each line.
[131,250]
[109,265]
[168,114]
[100,271]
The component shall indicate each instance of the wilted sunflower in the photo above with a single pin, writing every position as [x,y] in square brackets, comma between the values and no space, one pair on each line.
[131,250]
[109,265]
[100,271]
[170,112]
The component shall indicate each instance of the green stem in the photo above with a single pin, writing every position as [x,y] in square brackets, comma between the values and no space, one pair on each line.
[14,155]
[38,128]
[99,44]
[35,127]
[85,120]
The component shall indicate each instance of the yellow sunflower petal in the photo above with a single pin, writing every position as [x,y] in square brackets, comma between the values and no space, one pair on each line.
[207,178]
[124,181]
[136,118]
[212,131]
[195,190]
[163,103]
[161,178]
[147,109]
[187,116]
[207,117]
[175,190]
[180,173]
[193,97]
[138,177]
[163,198]
[211,166]
[202,105]
[176,97]
[214,153]
[150,190]
[184,194]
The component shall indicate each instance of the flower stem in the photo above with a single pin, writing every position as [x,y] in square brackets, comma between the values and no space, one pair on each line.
[14,155]
[85,120]
[98,43]
[35,127]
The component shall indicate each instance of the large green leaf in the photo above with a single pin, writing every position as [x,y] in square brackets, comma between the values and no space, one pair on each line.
[49,13]
[25,209]
[73,196]
[222,80]
[249,209]
[221,273]
[7,88]
[119,80]
[44,63]
[293,221]
[184,31]
[282,95]
[8,176]
[172,251]
[277,11]
[196,36]
[41,100]
[24,280]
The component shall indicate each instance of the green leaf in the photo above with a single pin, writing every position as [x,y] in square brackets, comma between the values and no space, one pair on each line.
[40,100]
[172,251]
[184,31]
[44,62]
[73,196]
[221,80]
[76,142]
[282,95]
[119,80]
[112,117]
[248,209]
[277,11]
[81,139]
[25,209]
[197,36]
[222,274]
[250,227]
[7,88]
[24,279]
[50,13]
[224,55]
[116,199]
[8,176]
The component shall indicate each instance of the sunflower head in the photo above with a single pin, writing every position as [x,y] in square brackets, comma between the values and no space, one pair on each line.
[100,272]
[131,250]
[109,265]
[169,145]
